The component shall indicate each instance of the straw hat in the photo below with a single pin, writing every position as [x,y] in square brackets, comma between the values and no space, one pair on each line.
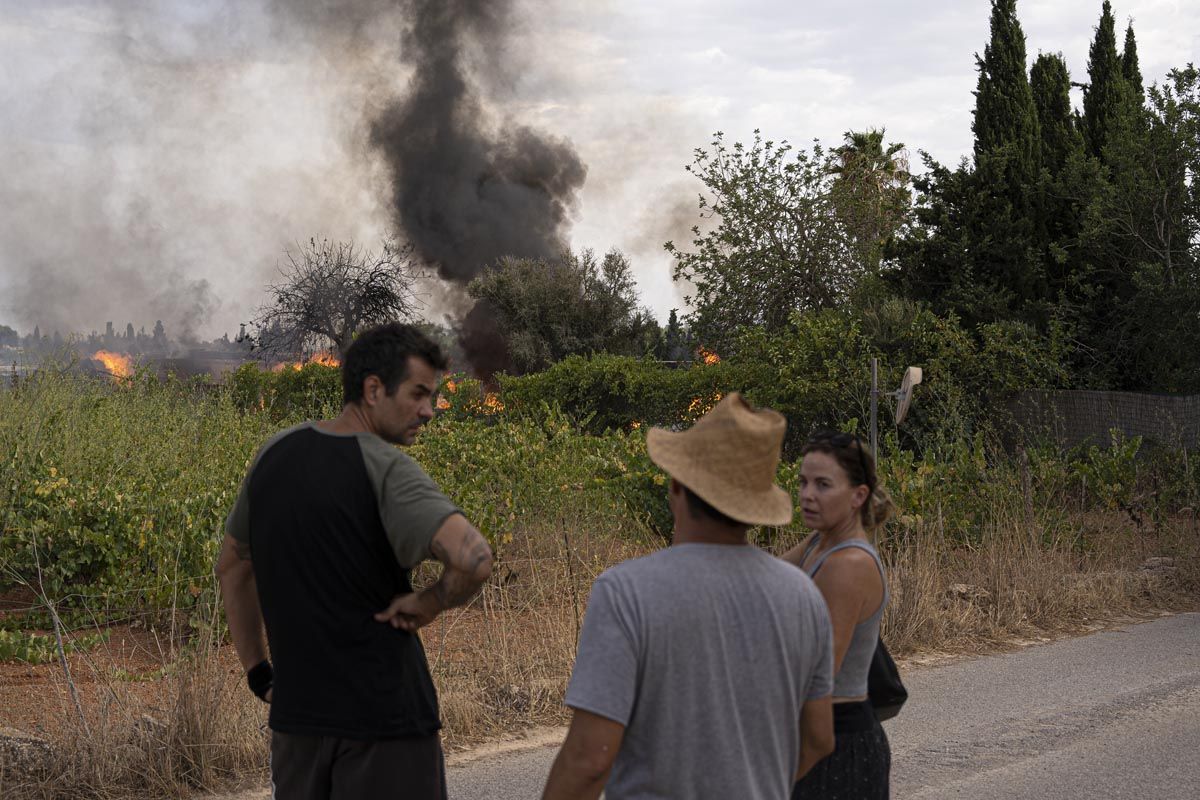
[729,458]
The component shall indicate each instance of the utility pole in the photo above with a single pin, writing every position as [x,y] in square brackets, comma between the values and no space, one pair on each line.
[875,407]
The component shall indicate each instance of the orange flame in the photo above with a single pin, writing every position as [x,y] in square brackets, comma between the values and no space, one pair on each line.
[492,403]
[324,359]
[707,357]
[119,365]
[701,406]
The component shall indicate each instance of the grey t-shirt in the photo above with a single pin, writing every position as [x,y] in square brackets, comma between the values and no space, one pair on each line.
[706,654]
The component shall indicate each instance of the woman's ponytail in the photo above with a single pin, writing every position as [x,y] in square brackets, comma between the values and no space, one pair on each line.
[878,509]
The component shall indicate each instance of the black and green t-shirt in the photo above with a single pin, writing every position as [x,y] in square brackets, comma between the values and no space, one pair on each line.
[335,524]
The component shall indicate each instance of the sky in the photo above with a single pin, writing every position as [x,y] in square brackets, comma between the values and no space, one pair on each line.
[160,156]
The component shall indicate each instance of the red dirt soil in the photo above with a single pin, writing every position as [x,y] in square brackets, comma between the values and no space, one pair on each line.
[126,669]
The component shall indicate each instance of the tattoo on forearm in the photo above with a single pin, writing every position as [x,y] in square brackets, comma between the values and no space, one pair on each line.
[439,551]
[458,583]
[475,554]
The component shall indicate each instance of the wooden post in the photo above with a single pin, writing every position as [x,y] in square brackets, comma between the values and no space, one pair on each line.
[875,408]
[1027,491]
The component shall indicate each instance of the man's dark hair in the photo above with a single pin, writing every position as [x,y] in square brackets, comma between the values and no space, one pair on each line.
[383,351]
[701,508]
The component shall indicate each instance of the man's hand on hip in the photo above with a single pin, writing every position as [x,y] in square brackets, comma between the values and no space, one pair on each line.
[411,611]
[466,563]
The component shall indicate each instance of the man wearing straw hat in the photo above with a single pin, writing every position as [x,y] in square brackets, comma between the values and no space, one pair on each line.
[704,670]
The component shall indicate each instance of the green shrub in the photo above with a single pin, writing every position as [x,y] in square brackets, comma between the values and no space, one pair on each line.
[314,391]
[114,494]
[816,372]
[39,648]
[505,473]
[610,393]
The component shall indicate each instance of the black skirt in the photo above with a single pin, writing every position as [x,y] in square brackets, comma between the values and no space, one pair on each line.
[860,763]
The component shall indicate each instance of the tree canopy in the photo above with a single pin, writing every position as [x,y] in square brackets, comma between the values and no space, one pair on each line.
[1100,242]
[577,304]
[329,291]
[784,239]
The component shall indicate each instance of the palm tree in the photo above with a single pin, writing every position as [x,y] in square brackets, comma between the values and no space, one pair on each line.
[871,191]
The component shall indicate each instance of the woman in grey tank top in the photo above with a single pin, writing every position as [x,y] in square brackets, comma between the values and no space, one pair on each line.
[841,500]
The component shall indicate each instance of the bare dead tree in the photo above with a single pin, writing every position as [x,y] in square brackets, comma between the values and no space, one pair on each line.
[329,291]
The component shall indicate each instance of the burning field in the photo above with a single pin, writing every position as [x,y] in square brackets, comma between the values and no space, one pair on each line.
[324,359]
[214,364]
[119,365]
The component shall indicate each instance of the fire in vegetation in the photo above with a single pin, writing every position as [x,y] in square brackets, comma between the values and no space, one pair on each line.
[119,365]
[487,403]
[702,405]
[707,357]
[451,387]
[324,359]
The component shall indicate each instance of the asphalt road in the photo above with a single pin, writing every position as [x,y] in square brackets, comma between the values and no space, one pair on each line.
[1112,715]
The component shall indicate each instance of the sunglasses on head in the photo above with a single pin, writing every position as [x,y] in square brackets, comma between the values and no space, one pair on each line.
[842,440]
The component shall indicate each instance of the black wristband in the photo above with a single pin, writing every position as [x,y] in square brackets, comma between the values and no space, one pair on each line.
[261,677]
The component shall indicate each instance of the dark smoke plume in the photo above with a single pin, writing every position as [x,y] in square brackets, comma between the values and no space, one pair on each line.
[160,157]
[467,187]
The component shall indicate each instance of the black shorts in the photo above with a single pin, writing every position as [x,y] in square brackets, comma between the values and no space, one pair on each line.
[328,768]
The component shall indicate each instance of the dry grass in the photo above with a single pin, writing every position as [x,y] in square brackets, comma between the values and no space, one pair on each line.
[502,663]
[200,731]
[510,654]
[969,599]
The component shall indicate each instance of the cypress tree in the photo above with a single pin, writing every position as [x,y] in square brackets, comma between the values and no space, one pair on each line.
[673,346]
[1104,97]
[1003,206]
[1050,83]
[1062,167]
[1129,67]
[1005,116]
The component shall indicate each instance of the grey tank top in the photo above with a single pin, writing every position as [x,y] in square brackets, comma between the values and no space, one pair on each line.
[851,679]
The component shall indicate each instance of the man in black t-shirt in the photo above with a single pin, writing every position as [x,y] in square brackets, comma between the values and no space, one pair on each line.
[319,548]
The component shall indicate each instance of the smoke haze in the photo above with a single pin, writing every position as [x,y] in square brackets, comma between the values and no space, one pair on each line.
[159,157]
[158,160]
